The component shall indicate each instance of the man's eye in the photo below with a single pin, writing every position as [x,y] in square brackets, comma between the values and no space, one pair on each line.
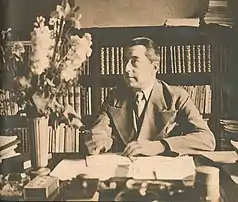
[134,61]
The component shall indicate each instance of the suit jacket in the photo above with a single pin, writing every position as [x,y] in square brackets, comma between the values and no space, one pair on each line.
[170,115]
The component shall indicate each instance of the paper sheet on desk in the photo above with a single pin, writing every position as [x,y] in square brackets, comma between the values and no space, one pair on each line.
[69,168]
[175,168]
[105,166]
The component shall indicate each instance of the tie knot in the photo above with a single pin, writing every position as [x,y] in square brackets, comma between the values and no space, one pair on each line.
[139,96]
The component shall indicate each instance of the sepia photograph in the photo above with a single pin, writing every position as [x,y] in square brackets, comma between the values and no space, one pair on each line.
[119,100]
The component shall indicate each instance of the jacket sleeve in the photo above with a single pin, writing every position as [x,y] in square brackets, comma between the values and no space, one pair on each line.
[99,139]
[196,134]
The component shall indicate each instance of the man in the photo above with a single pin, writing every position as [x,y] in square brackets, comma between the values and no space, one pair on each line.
[163,120]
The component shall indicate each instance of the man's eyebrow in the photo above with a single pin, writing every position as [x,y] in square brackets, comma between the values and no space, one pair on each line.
[132,57]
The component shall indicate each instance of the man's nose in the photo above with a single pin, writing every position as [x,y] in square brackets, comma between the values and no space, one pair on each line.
[128,66]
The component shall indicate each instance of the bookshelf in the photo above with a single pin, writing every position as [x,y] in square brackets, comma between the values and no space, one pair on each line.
[195,58]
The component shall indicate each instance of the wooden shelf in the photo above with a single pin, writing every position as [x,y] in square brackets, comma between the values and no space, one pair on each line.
[172,79]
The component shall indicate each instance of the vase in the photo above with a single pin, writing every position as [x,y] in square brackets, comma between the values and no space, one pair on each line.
[39,145]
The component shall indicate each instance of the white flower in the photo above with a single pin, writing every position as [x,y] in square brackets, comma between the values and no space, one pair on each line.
[68,74]
[61,11]
[17,50]
[42,44]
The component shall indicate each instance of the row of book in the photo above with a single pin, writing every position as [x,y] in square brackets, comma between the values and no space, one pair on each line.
[104,93]
[219,12]
[201,95]
[111,60]
[185,59]
[174,59]
[79,97]
[64,139]
[7,107]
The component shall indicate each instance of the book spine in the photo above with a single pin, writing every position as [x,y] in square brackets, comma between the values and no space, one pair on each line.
[121,60]
[107,66]
[175,60]
[179,66]
[204,68]
[71,96]
[77,99]
[188,59]
[171,59]
[165,59]
[87,66]
[208,59]
[160,69]
[117,60]
[194,69]
[199,59]
[102,60]
[112,59]
[183,59]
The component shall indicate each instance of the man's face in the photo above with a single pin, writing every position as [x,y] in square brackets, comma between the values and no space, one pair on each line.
[139,71]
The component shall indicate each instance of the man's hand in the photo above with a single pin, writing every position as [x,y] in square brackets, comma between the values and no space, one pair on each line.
[98,142]
[144,147]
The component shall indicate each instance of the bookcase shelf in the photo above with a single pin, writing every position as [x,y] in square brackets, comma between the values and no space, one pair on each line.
[191,57]
[173,79]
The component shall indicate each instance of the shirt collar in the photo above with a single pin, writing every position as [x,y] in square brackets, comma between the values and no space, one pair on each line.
[148,90]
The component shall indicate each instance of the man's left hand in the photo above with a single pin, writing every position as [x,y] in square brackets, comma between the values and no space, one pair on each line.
[144,147]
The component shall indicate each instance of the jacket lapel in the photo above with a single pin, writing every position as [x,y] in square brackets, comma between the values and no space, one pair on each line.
[123,119]
[157,115]
[157,119]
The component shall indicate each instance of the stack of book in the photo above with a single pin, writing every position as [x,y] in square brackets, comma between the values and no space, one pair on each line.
[229,132]
[174,22]
[219,13]
[8,144]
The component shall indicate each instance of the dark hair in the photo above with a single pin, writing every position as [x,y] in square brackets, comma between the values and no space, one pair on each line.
[152,52]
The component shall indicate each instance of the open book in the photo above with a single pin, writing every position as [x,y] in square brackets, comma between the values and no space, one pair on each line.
[105,166]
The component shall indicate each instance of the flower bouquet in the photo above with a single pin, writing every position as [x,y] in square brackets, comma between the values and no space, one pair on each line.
[55,64]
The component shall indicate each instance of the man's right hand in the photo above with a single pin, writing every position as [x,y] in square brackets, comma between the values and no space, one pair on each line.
[98,143]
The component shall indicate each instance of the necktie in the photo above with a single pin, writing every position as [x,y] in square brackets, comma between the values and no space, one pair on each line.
[140,103]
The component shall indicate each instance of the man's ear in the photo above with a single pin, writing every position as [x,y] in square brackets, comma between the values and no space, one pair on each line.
[156,65]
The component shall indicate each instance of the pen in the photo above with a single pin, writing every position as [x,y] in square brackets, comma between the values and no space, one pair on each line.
[130,159]
[154,174]
[86,163]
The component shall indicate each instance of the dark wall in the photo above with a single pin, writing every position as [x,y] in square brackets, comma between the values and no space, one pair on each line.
[106,13]
[20,14]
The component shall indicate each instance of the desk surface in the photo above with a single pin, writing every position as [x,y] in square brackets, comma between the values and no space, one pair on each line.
[227,186]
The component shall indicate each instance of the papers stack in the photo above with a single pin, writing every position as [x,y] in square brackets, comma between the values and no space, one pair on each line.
[191,22]
[220,12]
[8,144]
[230,125]
[230,132]
[105,166]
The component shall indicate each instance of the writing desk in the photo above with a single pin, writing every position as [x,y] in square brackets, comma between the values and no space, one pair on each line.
[227,186]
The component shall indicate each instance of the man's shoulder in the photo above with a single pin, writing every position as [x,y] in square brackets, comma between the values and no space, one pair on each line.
[173,90]
[116,95]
